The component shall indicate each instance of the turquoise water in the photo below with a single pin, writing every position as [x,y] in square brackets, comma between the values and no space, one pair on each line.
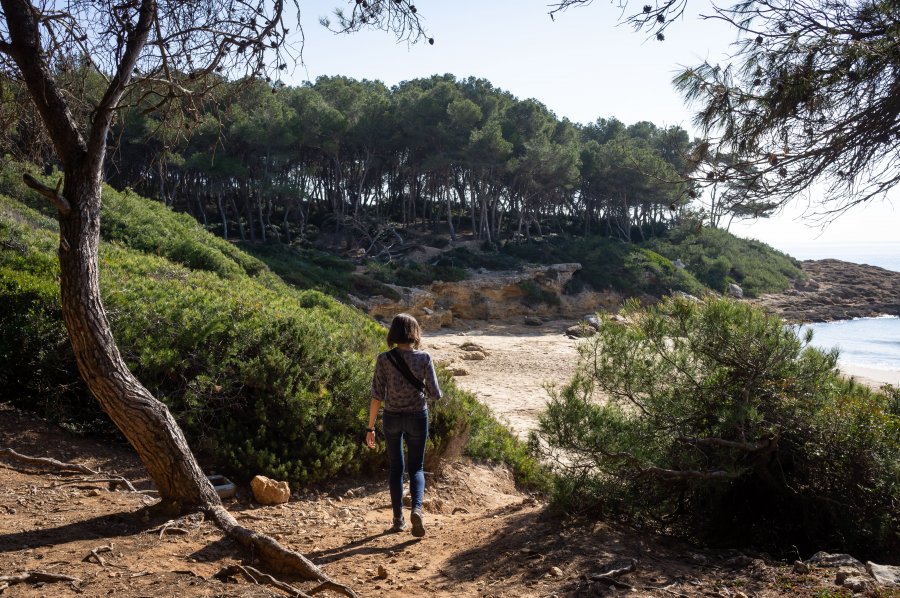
[866,342]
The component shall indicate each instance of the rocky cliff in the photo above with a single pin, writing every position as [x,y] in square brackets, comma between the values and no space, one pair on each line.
[536,292]
[838,290]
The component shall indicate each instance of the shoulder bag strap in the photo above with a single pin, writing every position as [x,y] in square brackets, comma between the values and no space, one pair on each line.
[397,359]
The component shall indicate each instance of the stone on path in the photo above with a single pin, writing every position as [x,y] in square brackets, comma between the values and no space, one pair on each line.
[269,492]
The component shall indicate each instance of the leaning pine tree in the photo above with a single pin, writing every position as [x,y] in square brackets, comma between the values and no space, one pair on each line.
[166,55]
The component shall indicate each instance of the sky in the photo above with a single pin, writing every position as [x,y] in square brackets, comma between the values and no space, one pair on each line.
[583,65]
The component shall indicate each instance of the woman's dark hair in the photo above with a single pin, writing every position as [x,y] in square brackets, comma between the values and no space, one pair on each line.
[404,329]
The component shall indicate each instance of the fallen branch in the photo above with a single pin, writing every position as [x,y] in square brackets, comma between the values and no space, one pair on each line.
[47,462]
[95,553]
[112,481]
[49,192]
[35,577]
[609,576]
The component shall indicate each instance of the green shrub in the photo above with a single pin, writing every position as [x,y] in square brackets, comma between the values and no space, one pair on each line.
[717,422]
[656,275]
[716,258]
[461,257]
[411,274]
[307,268]
[263,378]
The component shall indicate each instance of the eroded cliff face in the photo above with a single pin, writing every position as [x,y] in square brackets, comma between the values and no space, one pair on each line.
[534,292]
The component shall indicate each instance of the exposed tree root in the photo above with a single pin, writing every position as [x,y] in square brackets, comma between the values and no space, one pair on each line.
[273,554]
[609,577]
[68,468]
[34,577]
[182,525]
[259,578]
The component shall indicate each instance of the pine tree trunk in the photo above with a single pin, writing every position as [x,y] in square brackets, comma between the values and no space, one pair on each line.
[145,421]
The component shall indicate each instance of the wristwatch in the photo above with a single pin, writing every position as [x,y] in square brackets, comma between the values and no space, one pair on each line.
[370,429]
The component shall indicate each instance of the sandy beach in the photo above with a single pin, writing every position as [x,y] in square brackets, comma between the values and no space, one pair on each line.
[871,376]
[520,361]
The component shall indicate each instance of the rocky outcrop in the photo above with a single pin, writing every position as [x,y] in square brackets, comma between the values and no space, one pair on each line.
[836,290]
[536,291]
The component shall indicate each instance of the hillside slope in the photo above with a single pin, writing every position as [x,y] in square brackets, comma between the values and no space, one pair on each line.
[264,378]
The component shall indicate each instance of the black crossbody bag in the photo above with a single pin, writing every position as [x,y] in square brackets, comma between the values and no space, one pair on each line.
[397,359]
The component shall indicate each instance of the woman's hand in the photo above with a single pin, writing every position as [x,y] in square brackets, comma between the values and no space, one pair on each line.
[370,438]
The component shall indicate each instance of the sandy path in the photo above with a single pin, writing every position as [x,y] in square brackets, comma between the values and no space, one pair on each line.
[520,360]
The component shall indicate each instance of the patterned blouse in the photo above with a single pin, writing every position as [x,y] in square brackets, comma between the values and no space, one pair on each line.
[392,387]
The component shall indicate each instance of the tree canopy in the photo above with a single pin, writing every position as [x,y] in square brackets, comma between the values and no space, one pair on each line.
[807,99]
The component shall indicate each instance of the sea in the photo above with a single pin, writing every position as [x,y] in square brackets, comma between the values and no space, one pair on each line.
[865,342]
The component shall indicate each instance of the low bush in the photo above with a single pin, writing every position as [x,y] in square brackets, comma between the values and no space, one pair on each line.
[715,421]
[305,267]
[716,258]
[263,378]
[610,264]
[411,274]
[461,257]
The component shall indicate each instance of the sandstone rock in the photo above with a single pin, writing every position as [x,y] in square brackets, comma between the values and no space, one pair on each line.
[885,575]
[806,285]
[824,559]
[801,568]
[470,346]
[533,321]
[382,572]
[489,295]
[474,356]
[735,291]
[555,572]
[458,371]
[269,492]
[580,331]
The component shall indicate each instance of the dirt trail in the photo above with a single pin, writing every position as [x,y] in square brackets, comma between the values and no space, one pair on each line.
[485,538]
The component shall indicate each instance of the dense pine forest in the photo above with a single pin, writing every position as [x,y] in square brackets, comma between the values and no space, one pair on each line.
[257,162]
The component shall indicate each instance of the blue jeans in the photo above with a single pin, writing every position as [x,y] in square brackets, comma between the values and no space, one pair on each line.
[412,427]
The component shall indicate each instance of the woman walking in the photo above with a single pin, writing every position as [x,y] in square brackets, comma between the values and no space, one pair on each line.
[404,379]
